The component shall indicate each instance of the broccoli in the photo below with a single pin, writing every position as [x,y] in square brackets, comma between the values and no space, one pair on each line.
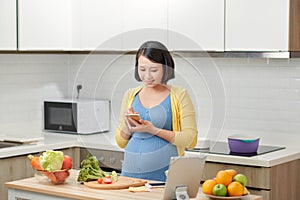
[90,169]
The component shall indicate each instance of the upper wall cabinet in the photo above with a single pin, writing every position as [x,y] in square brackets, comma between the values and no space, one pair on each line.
[126,24]
[196,25]
[183,25]
[8,25]
[45,25]
[257,25]
[144,20]
[118,24]
[97,24]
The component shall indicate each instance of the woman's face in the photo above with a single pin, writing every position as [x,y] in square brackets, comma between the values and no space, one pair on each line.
[150,73]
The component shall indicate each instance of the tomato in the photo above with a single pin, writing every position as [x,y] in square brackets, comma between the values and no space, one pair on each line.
[67,164]
[100,180]
[107,180]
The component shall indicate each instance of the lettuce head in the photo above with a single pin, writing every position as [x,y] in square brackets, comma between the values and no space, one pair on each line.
[51,160]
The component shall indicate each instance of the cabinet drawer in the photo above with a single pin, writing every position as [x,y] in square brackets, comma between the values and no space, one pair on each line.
[258,177]
[266,194]
[108,160]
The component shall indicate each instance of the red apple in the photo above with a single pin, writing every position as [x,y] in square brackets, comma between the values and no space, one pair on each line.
[67,164]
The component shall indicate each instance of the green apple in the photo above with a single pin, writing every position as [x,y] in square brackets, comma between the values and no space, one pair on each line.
[241,178]
[220,190]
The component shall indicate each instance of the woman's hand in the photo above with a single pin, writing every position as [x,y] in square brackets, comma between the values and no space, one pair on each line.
[127,128]
[148,127]
[142,126]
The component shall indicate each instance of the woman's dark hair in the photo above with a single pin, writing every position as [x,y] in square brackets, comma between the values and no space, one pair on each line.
[158,53]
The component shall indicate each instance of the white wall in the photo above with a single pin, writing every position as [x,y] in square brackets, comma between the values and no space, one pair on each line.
[263,98]
[250,96]
[25,80]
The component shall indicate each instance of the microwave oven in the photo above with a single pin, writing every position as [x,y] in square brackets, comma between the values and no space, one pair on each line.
[76,116]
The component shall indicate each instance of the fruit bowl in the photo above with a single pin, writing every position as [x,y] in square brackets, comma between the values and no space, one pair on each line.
[227,198]
[56,177]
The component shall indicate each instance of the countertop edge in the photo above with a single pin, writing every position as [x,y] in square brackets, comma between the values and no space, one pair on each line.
[106,142]
[279,158]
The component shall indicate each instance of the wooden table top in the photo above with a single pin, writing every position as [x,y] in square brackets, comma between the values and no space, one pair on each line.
[72,189]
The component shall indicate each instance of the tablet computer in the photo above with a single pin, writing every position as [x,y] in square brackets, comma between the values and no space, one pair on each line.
[184,172]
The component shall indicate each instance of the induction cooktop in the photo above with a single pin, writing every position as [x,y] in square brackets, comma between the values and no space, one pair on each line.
[223,148]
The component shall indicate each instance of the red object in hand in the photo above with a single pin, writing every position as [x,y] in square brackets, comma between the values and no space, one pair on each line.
[67,164]
[107,180]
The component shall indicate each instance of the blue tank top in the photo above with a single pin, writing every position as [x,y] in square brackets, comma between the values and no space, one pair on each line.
[148,156]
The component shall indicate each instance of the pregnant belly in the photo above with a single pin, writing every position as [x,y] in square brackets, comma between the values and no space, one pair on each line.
[147,154]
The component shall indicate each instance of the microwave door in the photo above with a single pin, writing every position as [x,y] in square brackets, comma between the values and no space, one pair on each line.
[60,116]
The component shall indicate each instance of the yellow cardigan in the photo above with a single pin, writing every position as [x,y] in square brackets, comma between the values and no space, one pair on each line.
[183,118]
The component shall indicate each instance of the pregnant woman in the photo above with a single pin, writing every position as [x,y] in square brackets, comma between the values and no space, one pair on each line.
[167,123]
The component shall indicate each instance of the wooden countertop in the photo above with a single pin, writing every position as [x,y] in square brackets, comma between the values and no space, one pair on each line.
[72,189]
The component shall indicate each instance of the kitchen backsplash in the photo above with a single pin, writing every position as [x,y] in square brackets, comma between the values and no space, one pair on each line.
[256,96]
[25,80]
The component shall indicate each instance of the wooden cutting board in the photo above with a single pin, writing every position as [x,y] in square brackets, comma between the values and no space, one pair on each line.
[122,183]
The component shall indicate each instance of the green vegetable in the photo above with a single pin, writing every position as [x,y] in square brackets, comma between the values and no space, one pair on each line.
[51,160]
[90,169]
[114,176]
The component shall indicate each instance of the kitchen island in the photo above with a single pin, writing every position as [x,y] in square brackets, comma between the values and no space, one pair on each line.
[31,188]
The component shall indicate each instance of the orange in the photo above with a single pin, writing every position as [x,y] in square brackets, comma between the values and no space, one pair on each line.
[235,189]
[207,186]
[224,177]
[232,172]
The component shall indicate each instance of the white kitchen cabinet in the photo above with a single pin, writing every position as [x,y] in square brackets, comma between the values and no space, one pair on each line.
[118,24]
[198,25]
[100,24]
[45,25]
[144,20]
[8,25]
[126,24]
[257,25]
[183,25]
